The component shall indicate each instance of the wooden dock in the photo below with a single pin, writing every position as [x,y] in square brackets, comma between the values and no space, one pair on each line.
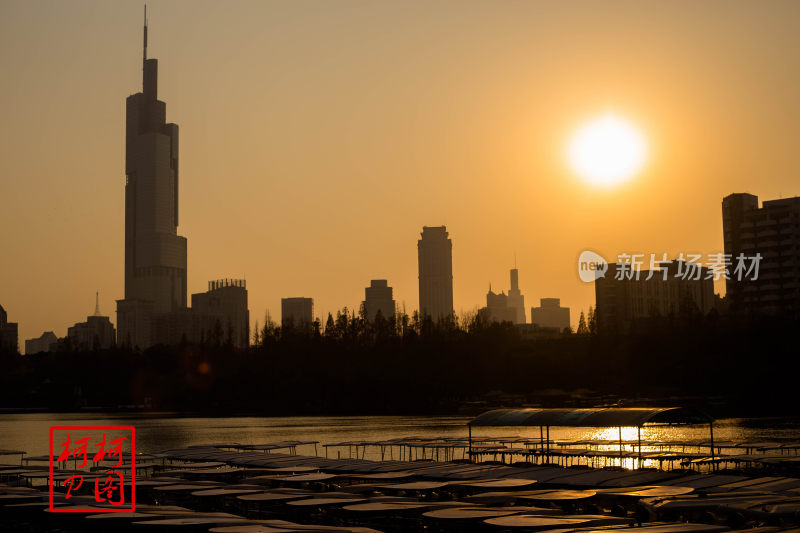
[229,487]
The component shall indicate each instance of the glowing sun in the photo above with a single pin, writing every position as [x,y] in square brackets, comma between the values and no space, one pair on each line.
[607,151]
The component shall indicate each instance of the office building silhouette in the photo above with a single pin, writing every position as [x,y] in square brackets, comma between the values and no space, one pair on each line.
[516,300]
[502,307]
[622,299]
[297,311]
[217,316]
[435,259]
[773,231]
[497,308]
[224,305]
[96,333]
[9,340]
[550,314]
[46,342]
[378,297]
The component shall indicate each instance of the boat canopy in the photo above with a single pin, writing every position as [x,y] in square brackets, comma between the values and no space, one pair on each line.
[596,417]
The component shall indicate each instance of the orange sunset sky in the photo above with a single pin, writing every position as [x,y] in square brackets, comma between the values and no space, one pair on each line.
[318,137]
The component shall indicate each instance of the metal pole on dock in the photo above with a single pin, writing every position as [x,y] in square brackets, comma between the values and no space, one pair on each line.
[639,434]
[548,444]
[469,428]
[541,439]
[711,431]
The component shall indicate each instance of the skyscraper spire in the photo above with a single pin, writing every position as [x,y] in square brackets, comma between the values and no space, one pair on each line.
[155,255]
[144,50]
[97,304]
[515,298]
[149,68]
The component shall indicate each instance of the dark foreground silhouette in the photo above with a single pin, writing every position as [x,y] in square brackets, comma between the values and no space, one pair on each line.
[727,366]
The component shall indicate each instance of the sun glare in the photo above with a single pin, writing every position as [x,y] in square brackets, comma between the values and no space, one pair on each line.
[607,151]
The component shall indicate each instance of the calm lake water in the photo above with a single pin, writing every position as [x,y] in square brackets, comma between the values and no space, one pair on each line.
[159,431]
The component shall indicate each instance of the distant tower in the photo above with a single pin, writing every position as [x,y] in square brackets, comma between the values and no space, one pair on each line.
[224,304]
[155,255]
[9,333]
[97,304]
[435,255]
[378,297]
[515,298]
[735,210]
[550,314]
[297,311]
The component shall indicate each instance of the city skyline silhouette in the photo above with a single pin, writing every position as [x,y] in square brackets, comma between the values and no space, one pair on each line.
[310,162]
[397,266]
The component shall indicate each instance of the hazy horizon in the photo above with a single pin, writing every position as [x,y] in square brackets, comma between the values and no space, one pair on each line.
[317,138]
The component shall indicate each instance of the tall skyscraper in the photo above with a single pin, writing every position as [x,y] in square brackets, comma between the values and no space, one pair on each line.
[155,255]
[516,300]
[378,297]
[773,231]
[435,256]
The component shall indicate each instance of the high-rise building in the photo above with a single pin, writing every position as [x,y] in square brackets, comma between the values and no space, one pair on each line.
[516,300]
[773,233]
[46,342]
[667,291]
[155,255]
[217,316]
[225,303]
[378,297]
[8,333]
[297,311]
[97,333]
[550,314]
[502,307]
[435,256]
[497,308]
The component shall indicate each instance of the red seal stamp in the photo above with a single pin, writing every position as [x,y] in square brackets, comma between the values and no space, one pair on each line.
[97,462]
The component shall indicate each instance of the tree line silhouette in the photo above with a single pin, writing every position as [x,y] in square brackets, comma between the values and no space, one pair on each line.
[413,365]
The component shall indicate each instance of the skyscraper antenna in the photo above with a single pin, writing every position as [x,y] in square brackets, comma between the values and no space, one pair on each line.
[97,304]
[144,51]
